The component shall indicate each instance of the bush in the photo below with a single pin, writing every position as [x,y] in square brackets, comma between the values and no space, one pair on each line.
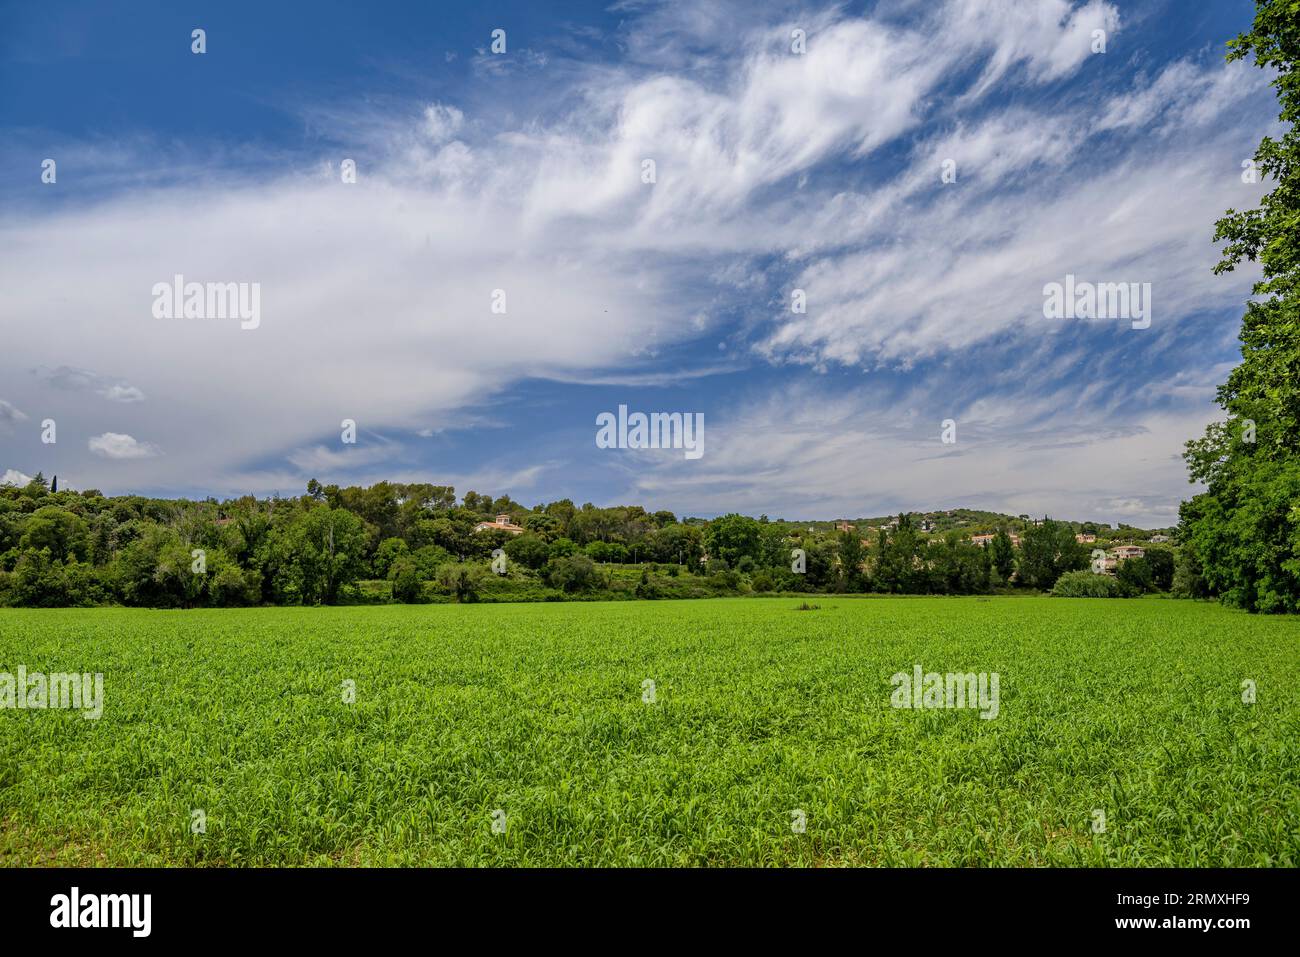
[647,588]
[407,583]
[572,573]
[1087,585]
[461,580]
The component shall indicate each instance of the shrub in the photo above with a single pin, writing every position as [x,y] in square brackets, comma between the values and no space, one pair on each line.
[407,584]
[1087,585]
[572,573]
[461,580]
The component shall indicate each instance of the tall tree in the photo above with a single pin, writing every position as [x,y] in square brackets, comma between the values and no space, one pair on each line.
[1002,554]
[1048,551]
[852,555]
[1245,528]
[328,545]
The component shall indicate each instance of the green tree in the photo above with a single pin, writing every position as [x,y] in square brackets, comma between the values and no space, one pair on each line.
[328,552]
[1245,528]
[388,552]
[58,530]
[680,544]
[732,536]
[1002,554]
[404,573]
[1188,580]
[462,580]
[851,555]
[561,547]
[38,581]
[1047,551]
[1161,561]
[959,566]
[528,550]
[900,567]
[572,573]
[1134,574]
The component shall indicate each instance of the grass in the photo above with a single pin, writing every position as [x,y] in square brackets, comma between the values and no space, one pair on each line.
[1131,707]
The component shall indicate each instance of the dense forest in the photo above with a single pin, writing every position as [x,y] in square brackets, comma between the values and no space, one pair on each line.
[417,542]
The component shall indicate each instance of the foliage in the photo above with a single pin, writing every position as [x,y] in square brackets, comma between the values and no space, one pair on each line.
[1087,585]
[1245,527]
[1002,555]
[1135,576]
[414,543]
[571,573]
[732,537]
[462,581]
[1048,551]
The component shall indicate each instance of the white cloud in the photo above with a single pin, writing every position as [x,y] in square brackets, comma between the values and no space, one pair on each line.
[15,477]
[116,445]
[805,454]
[943,276]
[376,295]
[1052,37]
[122,393]
[442,122]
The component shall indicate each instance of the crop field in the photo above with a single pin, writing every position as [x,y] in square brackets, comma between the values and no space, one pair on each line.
[530,734]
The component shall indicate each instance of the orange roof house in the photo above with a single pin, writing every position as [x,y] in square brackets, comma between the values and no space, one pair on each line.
[983,540]
[502,523]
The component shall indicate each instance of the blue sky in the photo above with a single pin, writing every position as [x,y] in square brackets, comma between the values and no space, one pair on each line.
[522,171]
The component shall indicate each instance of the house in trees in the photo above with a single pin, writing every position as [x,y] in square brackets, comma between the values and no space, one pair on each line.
[502,524]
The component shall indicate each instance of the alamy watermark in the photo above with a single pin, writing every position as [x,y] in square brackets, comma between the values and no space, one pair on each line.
[75,909]
[657,430]
[179,299]
[34,690]
[1101,300]
[952,690]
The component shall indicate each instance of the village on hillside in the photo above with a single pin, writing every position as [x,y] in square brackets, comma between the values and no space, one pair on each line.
[1114,543]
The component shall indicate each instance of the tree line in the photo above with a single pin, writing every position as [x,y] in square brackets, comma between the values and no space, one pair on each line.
[417,542]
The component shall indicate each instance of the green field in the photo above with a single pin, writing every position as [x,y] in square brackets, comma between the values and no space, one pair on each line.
[1131,707]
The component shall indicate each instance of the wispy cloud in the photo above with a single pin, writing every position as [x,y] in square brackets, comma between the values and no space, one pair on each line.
[772,171]
[84,380]
[9,414]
